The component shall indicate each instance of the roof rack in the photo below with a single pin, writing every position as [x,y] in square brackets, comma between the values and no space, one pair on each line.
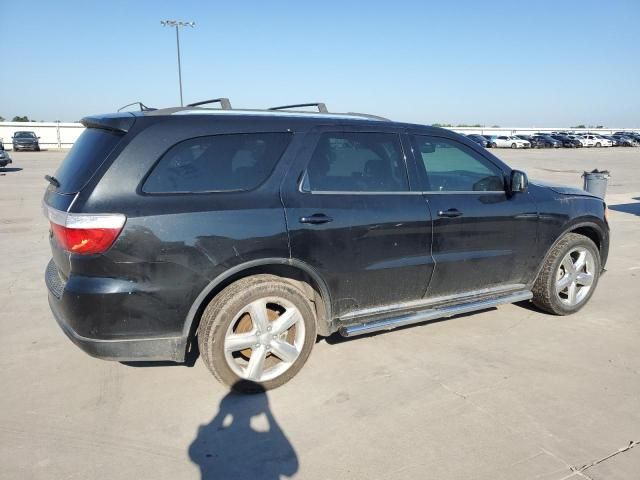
[322,108]
[225,104]
[368,115]
[143,107]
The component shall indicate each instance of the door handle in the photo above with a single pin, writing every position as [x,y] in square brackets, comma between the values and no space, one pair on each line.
[451,213]
[316,219]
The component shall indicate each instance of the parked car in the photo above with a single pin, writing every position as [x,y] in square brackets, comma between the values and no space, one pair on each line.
[546,141]
[567,141]
[505,141]
[5,159]
[249,233]
[583,141]
[25,141]
[625,141]
[479,139]
[614,141]
[635,136]
[598,140]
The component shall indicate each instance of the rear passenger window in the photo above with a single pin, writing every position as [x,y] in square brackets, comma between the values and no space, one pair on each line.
[357,162]
[448,166]
[217,163]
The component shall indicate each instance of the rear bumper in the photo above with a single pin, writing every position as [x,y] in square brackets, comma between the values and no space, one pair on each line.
[123,350]
[79,313]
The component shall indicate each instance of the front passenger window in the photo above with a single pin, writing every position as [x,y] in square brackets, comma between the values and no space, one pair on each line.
[449,166]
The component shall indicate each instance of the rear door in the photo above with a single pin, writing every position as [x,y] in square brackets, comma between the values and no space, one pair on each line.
[482,237]
[353,217]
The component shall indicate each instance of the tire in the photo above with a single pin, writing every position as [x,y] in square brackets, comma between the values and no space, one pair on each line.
[37,149]
[513,145]
[227,316]
[545,290]
[493,145]
[598,145]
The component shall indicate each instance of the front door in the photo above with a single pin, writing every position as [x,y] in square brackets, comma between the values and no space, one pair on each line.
[482,236]
[353,217]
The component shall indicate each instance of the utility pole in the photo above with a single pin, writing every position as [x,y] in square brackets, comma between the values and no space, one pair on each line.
[177,24]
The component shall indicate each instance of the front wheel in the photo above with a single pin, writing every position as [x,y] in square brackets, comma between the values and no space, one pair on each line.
[569,276]
[513,145]
[598,144]
[257,333]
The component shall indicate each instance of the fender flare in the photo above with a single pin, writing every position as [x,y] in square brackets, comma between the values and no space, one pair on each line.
[217,281]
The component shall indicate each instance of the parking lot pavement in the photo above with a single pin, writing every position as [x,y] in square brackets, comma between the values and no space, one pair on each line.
[508,393]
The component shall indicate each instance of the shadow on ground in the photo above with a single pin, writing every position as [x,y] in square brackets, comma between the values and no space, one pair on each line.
[10,169]
[243,440]
[632,208]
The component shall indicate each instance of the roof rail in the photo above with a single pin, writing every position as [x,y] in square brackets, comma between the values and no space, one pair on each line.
[322,108]
[225,104]
[143,107]
[368,115]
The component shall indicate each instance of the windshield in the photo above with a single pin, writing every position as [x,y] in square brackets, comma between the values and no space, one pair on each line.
[25,135]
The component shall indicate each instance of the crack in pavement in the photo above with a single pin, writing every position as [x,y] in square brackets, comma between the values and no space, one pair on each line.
[580,471]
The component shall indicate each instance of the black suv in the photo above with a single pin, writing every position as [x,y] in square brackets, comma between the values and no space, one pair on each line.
[248,233]
[25,141]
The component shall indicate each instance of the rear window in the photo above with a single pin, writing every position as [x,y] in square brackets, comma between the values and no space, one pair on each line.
[217,163]
[86,156]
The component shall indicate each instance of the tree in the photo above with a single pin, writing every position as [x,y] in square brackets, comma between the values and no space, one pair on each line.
[579,126]
[1,118]
[20,119]
[441,125]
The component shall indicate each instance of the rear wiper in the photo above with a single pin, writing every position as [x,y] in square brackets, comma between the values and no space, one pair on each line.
[52,180]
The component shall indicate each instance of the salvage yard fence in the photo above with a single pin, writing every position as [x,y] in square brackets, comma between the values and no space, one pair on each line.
[62,135]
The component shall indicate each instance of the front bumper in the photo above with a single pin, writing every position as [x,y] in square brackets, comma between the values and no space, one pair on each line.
[62,302]
[25,146]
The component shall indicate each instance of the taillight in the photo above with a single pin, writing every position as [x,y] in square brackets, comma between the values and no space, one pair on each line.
[82,233]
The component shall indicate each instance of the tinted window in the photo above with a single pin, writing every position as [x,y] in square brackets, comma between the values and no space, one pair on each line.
[86,156]
[448,166]
[357,162]
[217,163]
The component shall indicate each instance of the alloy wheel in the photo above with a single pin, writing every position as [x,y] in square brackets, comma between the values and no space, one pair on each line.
[264,339]
[575,276]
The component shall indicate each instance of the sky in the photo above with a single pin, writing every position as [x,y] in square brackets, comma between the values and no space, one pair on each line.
[537,63]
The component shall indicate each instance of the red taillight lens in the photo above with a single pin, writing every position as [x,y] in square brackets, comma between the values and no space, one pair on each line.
[85,240]
[85,233]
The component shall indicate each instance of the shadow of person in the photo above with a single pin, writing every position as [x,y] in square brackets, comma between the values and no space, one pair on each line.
[243,441]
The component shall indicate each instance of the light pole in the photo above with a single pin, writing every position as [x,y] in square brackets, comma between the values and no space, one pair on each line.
[178,24]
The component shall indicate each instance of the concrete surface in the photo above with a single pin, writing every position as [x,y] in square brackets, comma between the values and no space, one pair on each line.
[509,393]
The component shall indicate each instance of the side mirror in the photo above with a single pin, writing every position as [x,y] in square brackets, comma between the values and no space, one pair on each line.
[519,181]
[38,138]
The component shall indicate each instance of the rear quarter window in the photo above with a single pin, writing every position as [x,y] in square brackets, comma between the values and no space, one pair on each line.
[86,156]
[217,163]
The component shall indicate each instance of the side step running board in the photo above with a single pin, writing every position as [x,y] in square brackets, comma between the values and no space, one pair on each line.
[433,314]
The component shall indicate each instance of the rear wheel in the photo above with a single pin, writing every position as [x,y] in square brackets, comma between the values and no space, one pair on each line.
[513,145]
[598,144]
[569,276]
[257,333]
